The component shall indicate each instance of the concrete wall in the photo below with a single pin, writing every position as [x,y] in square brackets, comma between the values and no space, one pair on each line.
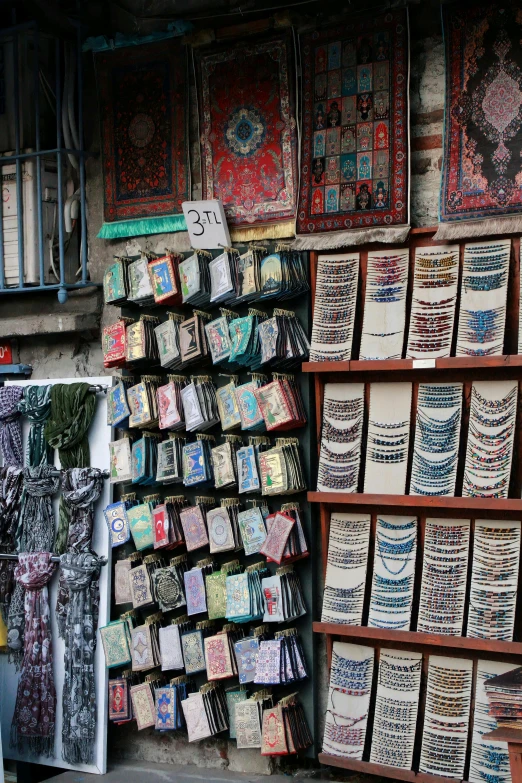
[80,355]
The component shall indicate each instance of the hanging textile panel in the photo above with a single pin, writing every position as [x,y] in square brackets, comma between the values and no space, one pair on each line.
[355,149]
[142,96]
[246,99]
[482,168]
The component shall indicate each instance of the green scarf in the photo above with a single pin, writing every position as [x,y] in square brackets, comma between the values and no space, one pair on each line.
[35,405]
[72,410]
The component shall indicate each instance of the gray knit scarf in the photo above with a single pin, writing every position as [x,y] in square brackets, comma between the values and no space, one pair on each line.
[81,488]
[35,533]
[79,688]
[10,426]
[10,494]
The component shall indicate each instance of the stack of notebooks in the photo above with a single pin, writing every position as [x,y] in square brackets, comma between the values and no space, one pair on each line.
[504,694]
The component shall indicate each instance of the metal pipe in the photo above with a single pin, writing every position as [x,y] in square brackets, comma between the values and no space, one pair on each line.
[83,200]
[98,389]
[55,558]
[62,291]
[6,159]
[57,472]
[19,178]
[51,287]
[39,203]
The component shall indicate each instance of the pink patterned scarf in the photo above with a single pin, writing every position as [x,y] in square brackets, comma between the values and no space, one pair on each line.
[32,730]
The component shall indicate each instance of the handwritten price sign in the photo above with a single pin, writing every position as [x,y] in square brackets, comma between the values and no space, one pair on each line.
[206,224]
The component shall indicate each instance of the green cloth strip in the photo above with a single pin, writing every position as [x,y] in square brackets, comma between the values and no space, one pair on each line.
[135,228]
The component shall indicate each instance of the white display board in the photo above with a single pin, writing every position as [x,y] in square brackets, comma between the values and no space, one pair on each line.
[99,438]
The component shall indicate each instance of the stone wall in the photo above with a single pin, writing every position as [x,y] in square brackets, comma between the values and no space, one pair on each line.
[80,354]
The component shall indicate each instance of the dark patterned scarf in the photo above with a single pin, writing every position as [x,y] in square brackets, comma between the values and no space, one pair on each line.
[79,688]
[36,407]
[35,533]
[72,410]
[10,494]
[81,488]
[10,425]
[32,730]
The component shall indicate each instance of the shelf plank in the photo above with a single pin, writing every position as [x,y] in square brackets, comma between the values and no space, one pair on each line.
[461,645]
[464,508]
[505,735]
[468,367]
[381,769]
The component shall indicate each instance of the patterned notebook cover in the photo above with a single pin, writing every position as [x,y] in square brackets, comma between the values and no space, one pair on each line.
[165,708]
[170,648]
[217,656]
[277,537]
[274,739]
[246,651]
[194,528]
[141,526]
[238,596]
[143,706]
[195,591]
[116,517]
[119,705]
[115,640]
[268,668]
[196,717]
[193,652]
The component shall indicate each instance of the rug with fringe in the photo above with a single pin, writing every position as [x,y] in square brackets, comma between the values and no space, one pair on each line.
[482,167]
[142,97]
[246,96]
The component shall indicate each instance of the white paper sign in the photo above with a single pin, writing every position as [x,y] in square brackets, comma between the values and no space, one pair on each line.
[421,364]
[206,224]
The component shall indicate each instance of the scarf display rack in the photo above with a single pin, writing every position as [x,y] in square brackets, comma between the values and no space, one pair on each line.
[81,748]
[450,525]
[102,561]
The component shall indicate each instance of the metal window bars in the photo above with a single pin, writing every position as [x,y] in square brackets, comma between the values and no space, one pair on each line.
[43,210]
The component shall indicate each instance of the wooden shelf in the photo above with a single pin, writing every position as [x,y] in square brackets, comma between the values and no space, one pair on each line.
[460,646]
[464,367]
[382,770]
[463,508]
[505,735]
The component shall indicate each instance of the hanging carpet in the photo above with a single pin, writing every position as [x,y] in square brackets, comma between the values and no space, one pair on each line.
[355,137]
[142,97]
[482,169]
[246,96]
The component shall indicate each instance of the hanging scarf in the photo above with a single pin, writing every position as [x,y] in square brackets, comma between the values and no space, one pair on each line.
[36,407]
[79,688]
[10,426]
[72,410]
[81,488]
[10,494]
[32,730]
[35,533]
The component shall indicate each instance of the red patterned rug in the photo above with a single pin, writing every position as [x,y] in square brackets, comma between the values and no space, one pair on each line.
[482,173]
[246,97]
[142,95]
[355,149]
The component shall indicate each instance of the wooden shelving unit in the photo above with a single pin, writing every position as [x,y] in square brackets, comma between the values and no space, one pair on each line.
[464,508]
[382,770]
[439,644]
[465,370]
[455,368]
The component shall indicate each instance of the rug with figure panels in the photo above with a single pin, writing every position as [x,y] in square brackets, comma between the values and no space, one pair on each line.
[142,96]
[482,171]
[355,148]
[246,96]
